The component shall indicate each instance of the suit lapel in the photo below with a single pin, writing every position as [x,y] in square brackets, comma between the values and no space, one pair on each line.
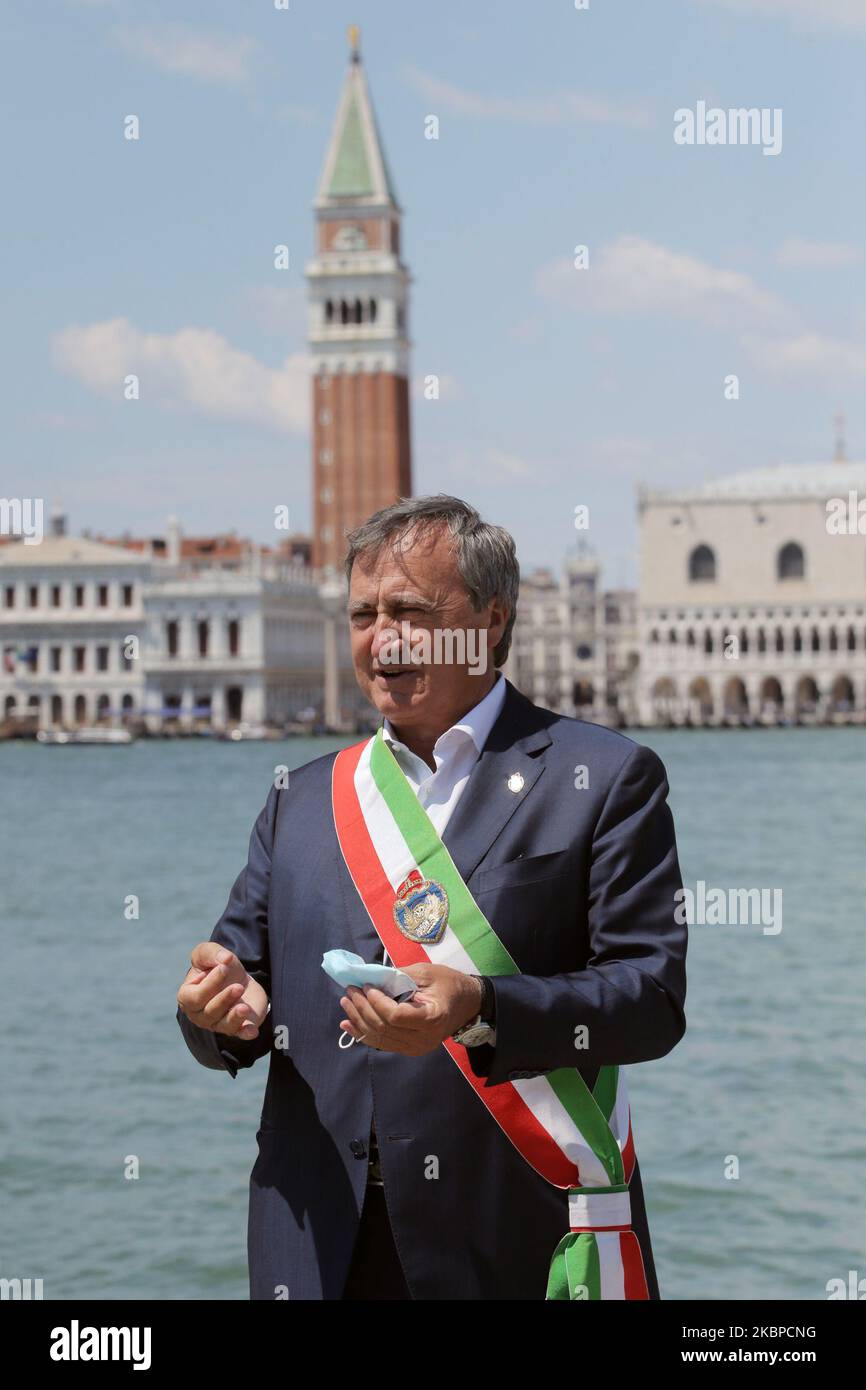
[487,802]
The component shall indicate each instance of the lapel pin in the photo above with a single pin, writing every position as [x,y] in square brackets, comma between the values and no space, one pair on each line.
[515,782]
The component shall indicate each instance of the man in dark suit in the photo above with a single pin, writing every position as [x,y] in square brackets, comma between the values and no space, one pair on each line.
[380,1173]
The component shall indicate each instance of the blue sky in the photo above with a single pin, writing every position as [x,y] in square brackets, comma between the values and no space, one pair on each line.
[560,387]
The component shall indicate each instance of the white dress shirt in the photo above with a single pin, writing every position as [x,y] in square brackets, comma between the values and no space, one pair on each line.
[455,753]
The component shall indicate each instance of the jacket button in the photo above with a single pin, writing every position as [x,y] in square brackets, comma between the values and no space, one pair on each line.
[359,1148]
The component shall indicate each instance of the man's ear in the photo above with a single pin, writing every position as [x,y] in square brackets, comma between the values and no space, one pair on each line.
[499,615]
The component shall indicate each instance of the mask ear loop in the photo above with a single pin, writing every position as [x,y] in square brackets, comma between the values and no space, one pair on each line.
[344,1046]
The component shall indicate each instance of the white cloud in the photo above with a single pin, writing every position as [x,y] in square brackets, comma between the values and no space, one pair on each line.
[636,276]
[201,53]
[194,367]
[798,253]
[553,109]
[808,354]
[847,15]
[279,308]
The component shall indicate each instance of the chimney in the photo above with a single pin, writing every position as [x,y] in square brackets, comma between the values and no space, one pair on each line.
[172,541]
[57,524]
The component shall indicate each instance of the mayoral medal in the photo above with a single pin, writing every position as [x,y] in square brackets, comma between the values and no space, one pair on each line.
[421,909]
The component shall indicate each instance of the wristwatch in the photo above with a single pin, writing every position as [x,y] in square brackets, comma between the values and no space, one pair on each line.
[480,1029]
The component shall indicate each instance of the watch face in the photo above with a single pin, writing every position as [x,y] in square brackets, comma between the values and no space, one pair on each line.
[474,1034]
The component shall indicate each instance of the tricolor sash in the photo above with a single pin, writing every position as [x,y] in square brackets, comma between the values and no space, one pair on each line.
[577,1139]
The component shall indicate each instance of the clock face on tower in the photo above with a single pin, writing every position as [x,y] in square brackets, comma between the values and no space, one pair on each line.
[350,237]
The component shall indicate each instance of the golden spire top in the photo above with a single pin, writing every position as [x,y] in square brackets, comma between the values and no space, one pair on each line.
[354,43]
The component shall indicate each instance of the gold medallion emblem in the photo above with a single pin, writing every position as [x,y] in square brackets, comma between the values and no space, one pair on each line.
[421,909]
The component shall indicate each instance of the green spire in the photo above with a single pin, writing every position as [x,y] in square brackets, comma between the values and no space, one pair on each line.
[352,176]
[355,166]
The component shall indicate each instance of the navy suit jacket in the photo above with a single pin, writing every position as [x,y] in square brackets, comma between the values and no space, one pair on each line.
[579,885]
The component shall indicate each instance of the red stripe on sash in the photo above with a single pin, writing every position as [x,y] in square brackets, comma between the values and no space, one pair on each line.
[511,1113]
[629,1157]
[634,1275]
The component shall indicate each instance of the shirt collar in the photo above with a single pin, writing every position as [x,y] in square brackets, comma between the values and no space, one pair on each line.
[477,722]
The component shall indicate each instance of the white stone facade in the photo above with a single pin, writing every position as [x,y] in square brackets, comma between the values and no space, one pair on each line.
[574,647]
[751,608]
[66,607]
[210,646]
[229,648]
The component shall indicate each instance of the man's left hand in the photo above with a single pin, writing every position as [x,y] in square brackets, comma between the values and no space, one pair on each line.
[445,1000]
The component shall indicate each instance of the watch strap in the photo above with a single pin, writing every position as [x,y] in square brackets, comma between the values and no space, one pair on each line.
[487,1009]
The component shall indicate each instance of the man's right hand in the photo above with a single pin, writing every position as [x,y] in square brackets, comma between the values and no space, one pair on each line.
[219,995]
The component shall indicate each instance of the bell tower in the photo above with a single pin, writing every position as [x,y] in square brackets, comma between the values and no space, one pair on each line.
[359,344]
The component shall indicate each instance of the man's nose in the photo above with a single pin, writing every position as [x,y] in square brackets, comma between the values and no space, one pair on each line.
[385,632]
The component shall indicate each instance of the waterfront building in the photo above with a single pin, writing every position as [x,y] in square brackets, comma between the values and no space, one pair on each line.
[67,606]
[574,646]
[752,601]
[168,632]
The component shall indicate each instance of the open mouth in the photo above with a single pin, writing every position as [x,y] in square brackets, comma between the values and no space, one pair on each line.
[392,673]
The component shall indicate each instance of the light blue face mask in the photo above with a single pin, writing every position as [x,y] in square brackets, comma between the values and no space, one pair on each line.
[348,969]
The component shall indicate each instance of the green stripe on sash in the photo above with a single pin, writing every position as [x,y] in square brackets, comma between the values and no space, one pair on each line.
[589,1111]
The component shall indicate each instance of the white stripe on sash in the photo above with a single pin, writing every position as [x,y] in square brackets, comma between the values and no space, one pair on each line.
[536,1092]
[611,1266]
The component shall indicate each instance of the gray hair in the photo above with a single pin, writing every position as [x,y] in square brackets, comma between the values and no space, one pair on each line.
[486,554]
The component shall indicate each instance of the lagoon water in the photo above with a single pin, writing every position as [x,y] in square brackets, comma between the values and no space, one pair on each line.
[769,1074]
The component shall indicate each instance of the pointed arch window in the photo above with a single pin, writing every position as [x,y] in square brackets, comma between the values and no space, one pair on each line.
[702,564]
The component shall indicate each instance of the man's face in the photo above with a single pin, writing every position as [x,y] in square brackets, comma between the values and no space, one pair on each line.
[419,585]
